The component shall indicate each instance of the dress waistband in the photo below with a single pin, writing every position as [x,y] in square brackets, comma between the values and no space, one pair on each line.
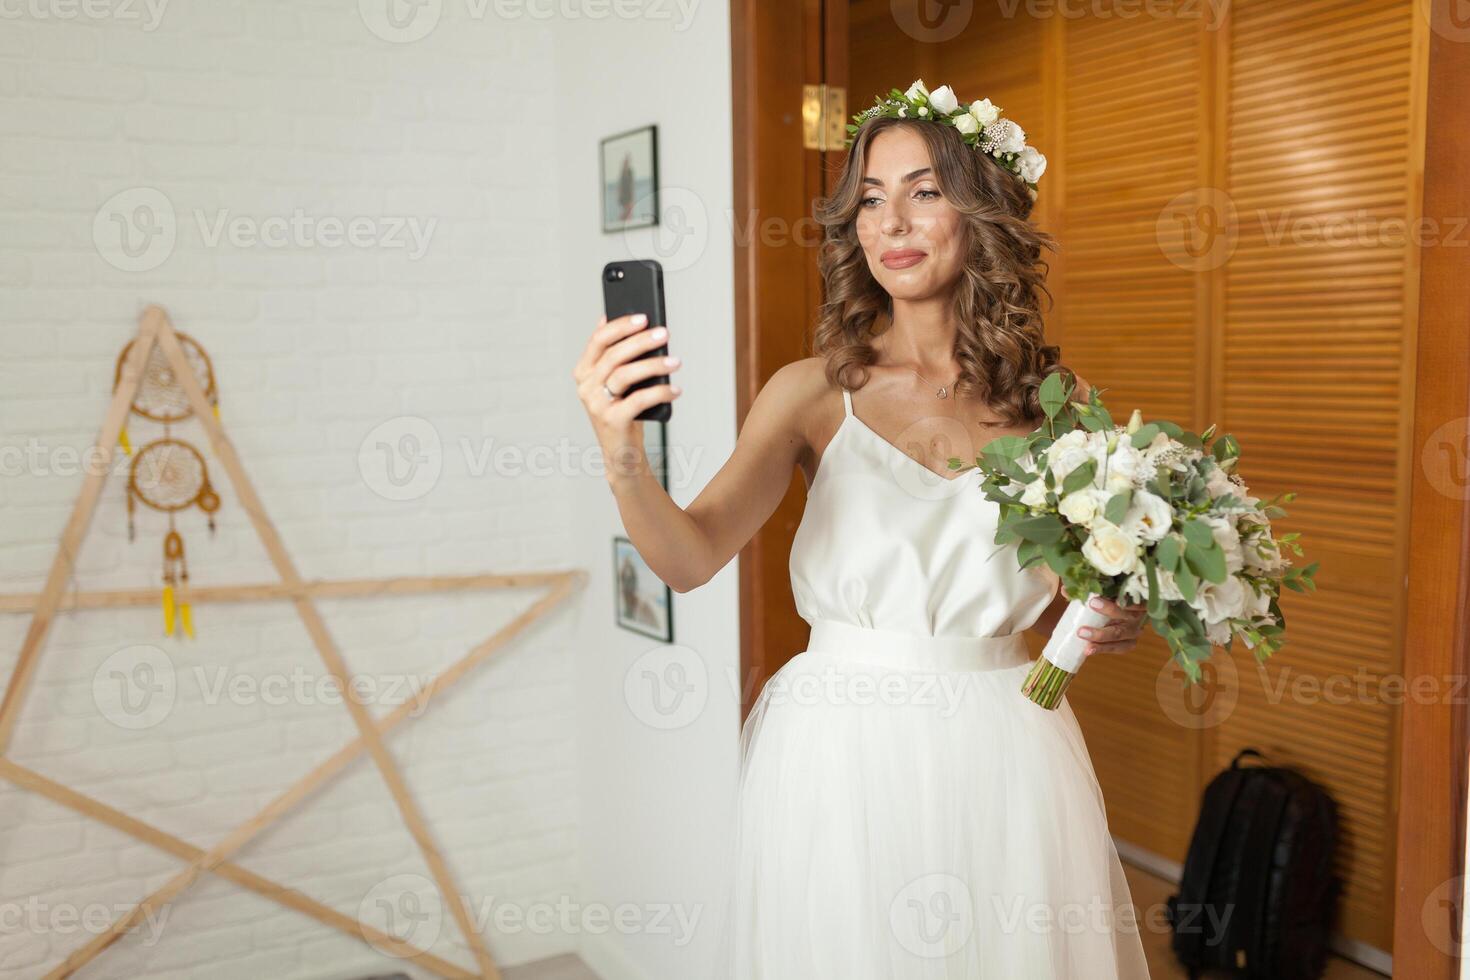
[917,651]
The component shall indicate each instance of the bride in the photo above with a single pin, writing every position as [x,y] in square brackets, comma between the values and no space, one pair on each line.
[904,812]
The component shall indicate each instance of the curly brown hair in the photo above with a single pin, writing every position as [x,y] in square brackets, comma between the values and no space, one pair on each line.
[999,344]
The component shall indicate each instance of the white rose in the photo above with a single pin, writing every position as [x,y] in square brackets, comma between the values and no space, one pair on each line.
[1070,439]
[983,112]
[1110,549]
[1032,164]
[1069,452]
[943,100]
[1083,506]
[966,124]
[1228,539]
[917,89]
[1216,601]
[1149,516]
[1035,493]
[1125,468]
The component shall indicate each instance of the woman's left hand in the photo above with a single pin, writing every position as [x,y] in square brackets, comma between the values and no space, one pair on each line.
[1120,633]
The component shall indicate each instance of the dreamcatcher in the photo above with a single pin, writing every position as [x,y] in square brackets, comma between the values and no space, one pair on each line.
[168,474]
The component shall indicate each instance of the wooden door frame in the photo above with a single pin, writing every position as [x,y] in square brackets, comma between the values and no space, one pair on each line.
[1435,738]
[1434,761]
[775,50]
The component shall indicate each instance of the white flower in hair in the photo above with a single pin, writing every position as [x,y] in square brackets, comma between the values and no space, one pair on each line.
[943,100]
[984,112]
[1003,136]
[979,124]
[1031,165]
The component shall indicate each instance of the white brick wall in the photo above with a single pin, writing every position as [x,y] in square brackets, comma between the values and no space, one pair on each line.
[260,110]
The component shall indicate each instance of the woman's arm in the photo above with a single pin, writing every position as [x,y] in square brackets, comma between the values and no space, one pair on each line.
[685,548]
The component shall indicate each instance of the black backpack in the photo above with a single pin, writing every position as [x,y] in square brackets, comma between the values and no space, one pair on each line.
[1258,893]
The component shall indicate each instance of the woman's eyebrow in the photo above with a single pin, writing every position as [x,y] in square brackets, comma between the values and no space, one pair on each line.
[906,177]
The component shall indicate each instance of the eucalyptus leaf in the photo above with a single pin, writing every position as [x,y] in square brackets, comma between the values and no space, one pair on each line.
[1080,477]
[1006,447]
[1207,563]
[1188,584]
[1156,604]
[1199,534]
[1043,528]
[1052,395]
[1167,552]
[1056,557]
[1118,505]
[1145,435]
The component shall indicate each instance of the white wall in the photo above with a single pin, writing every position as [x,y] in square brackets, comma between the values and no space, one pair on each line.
[656,767]
[259,110]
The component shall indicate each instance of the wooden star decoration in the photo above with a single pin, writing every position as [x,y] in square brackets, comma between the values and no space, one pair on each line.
[155,328]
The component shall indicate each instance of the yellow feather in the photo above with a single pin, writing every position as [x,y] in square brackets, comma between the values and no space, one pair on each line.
[168,609]
[122,438]
[188,616]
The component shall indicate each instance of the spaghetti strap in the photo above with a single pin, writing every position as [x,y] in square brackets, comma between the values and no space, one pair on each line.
[846,402]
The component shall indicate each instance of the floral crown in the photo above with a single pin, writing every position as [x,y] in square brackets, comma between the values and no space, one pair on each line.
[980,124]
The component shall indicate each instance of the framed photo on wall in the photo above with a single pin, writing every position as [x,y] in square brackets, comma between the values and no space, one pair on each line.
[630,179]
[642,602]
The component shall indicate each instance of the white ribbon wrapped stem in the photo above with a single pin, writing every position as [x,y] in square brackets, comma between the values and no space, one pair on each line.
[1065,648]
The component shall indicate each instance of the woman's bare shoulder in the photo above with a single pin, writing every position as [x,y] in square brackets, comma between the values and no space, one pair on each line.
[800,391]
[801,384]
[797,399]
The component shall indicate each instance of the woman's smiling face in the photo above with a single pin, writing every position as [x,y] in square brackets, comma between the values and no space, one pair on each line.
[913,239]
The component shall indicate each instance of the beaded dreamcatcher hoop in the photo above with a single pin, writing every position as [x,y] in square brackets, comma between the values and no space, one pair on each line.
[169,474]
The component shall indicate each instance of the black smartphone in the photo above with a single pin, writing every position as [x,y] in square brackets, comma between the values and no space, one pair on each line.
[637,286]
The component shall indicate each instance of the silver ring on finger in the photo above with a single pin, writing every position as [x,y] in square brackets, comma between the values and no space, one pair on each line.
[612,396]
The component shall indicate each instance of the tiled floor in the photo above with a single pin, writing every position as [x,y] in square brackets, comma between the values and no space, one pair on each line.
[1149,894]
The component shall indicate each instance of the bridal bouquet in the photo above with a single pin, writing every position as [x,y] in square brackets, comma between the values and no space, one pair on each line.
[1146,512]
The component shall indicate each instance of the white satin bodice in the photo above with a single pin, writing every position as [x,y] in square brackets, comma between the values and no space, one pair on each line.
[886,543]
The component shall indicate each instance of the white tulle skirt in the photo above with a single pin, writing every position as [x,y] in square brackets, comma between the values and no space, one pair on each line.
[905,814]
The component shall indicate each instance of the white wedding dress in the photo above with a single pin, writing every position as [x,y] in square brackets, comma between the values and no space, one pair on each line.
[904,812]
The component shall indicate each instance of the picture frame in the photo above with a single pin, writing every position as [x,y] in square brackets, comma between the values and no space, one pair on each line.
[642,602]
[628,169]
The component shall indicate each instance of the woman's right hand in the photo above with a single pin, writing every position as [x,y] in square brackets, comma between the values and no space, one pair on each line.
[611,362]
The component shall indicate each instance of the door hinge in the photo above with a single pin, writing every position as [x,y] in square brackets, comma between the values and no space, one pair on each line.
[824,117]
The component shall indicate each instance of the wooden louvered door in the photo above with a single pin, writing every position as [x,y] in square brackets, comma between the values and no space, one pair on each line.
[1231,186]
[1232,258]
[1315,375]
[1129,108]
